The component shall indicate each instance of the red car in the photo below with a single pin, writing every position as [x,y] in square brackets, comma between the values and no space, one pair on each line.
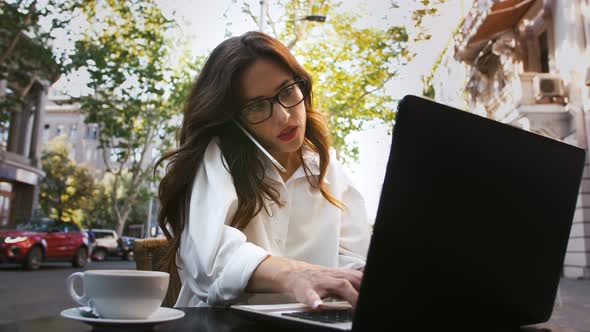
[44,239]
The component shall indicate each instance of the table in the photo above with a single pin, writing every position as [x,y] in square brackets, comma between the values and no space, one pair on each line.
[196,320]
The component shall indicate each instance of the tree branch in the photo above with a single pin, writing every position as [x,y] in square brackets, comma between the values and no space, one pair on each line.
[271,23]
[299,29]
[18,34]
[135,181]
[366,93]
[114,198]
[246,10]
[148,141]
[105,159]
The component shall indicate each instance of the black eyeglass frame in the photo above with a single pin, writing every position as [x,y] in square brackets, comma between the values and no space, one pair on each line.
[275,99]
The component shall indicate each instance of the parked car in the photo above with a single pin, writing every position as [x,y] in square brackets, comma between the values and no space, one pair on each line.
[41,239]
[109,244]
[106,243]
[126,247]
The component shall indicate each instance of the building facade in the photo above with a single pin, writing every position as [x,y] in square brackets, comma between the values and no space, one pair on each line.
[23,96]
[67,119]
[527,63]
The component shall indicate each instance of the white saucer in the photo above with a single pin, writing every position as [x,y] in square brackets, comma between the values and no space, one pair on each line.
[161,315]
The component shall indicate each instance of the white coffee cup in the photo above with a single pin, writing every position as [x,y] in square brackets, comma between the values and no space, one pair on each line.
[120,294]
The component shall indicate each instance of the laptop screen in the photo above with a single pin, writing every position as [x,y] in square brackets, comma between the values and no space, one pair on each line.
[472,225]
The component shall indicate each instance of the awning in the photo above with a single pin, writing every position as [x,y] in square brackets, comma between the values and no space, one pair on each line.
[502,16]
[499,16]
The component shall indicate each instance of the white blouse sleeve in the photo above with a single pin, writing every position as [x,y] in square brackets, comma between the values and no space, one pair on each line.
[217,261]
[355,232]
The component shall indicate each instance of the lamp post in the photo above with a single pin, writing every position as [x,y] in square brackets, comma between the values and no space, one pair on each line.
[314,18]
[148,232]
[262,18]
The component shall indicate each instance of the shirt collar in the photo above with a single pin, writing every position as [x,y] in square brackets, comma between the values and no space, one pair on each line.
[311,159]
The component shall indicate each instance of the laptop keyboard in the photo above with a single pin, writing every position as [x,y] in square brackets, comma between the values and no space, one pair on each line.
[324,315]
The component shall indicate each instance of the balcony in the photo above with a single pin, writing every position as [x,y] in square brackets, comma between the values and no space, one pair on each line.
[484,22]
[543,111]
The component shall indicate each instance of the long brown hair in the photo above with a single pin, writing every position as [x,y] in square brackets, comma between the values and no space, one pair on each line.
[211,105]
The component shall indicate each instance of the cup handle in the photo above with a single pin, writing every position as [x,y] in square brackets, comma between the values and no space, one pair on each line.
[83,300]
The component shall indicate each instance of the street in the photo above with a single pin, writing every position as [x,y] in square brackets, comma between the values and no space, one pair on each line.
[42,293]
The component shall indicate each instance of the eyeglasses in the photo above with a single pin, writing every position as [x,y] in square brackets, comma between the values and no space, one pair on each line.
[288,97]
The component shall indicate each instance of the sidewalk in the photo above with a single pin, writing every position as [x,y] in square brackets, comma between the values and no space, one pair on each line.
[574,309]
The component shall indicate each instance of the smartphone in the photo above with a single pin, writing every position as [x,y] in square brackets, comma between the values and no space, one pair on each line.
[273,160]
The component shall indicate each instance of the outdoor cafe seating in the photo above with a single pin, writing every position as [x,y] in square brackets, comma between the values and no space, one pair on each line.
[148,256]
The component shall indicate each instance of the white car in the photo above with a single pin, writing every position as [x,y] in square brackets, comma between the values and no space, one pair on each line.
[107,244]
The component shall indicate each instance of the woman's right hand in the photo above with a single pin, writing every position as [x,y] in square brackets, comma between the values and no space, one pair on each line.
[307,283]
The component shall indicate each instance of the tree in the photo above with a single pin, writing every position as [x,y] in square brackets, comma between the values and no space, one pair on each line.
[67,188]
[25,46]
[128,52]
[350,64]
[101,214]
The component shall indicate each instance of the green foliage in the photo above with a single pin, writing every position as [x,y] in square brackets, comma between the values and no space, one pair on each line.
[100,213]
[25,47]
[426,8]
[129,65]
[350,64]
[428,88]
[139,82]
[67,188]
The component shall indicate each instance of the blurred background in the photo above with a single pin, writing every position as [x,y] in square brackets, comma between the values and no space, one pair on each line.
[92,91]
[91,94]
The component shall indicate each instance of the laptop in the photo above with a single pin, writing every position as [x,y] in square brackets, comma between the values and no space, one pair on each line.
[471,229]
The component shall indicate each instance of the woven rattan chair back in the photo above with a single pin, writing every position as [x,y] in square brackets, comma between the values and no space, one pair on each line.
[148,256]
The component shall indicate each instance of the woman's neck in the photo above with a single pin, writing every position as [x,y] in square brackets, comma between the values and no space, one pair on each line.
[290,161]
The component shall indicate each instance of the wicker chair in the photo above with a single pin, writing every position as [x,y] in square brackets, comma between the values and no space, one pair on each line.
[148,254]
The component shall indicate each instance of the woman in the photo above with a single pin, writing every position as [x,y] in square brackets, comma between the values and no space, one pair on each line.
[237,225]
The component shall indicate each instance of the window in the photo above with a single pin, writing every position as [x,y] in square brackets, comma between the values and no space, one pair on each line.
[544,52]
[73,130]
[36,224]
[46,131]
[71,227]
[537,38]
[4,130]
[92,131]
[103,235]
[59,227]
[59,130]
[5,200]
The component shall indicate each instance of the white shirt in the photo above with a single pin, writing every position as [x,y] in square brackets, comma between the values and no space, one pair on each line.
[217,260]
